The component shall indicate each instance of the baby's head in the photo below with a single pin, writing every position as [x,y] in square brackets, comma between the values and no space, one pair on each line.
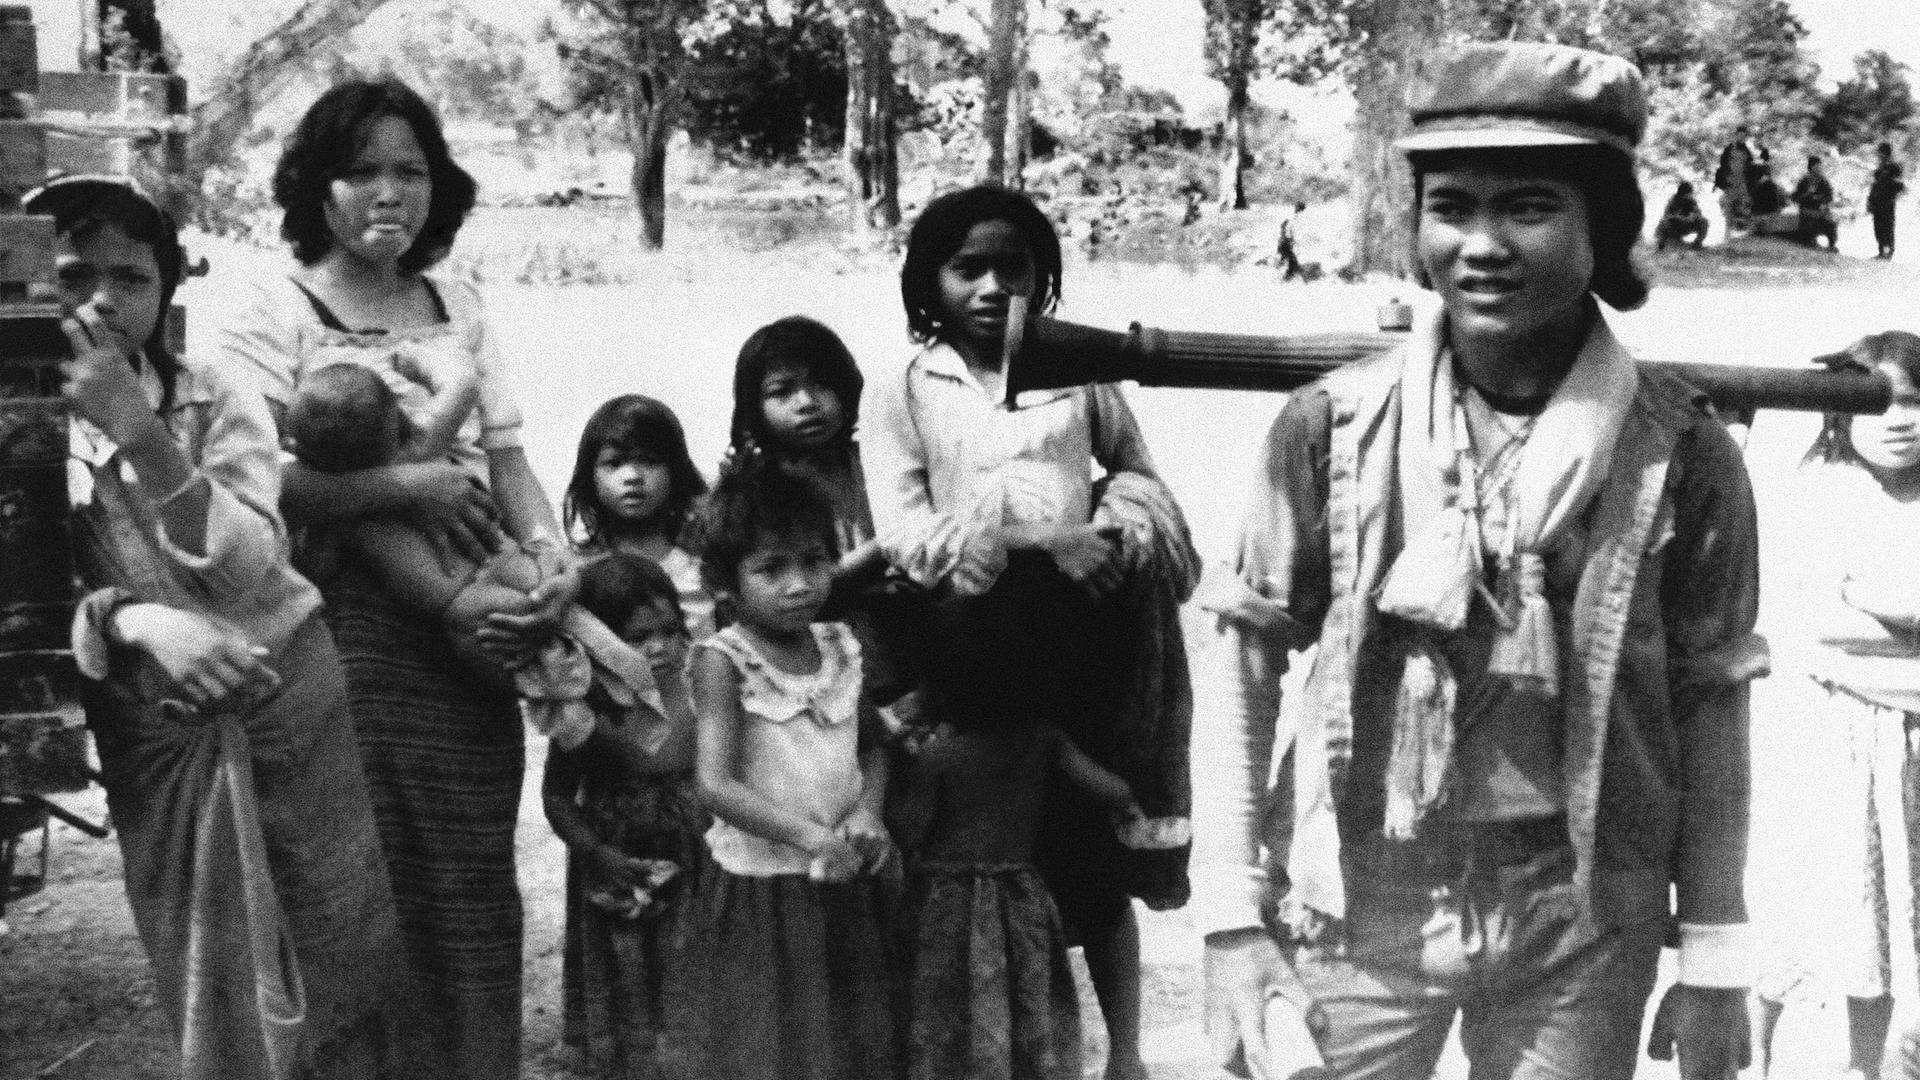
[344,417]
[636,599]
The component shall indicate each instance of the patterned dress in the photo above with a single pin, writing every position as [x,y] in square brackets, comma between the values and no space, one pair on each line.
[444,750]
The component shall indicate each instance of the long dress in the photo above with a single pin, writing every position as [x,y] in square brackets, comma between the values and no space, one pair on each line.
[785,978]
[444,751]
[1846,692]
[246,835]
[989,992]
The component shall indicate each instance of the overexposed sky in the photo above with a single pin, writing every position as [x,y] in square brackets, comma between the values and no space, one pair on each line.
[1156,42]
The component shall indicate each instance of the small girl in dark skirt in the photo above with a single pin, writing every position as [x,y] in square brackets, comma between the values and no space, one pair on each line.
[787,938]
[990,993]
[624,803]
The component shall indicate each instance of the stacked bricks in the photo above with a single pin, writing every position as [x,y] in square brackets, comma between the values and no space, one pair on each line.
[114,123]
[42,737]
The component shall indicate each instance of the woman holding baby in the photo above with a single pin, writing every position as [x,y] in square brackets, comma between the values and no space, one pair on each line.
[372,199]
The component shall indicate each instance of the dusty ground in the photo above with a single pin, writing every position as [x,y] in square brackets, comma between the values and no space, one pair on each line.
[75,1001]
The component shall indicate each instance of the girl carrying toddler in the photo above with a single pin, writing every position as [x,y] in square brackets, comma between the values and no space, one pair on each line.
[1056,599]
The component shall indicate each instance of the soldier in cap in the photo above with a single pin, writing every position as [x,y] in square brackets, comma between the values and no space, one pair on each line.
[1518,767]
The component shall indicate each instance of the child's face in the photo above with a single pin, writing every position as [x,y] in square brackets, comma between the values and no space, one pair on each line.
[783,582]
[991,267]
[1509,253]
[800,411]
[114,276]
[378,204]
[631,487]
[657,633]
[1891,440]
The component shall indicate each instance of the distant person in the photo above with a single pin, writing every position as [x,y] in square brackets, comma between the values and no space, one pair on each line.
[1289,260]
[1882,195]
[1682,222]
[1743,163]
[1813,197]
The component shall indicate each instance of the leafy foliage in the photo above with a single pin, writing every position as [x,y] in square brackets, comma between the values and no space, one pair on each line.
[1876,104]
[468,68]
[770,81]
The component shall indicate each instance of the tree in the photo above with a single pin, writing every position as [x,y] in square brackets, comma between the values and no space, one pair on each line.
[870,136]
[467,68]
[1745,56]
[1233,38]
[767,84]
[1875,105]
[265,69]
[1753,51]
[1004,95]
[631,57]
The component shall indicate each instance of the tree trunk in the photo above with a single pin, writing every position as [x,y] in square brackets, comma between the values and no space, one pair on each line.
[871,147]
[1383,187]
[1001,79]
[1020,114]
[1233,148]
[227,111]
[650,118]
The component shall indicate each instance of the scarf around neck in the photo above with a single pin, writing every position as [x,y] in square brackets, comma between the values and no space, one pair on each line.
[1432,582]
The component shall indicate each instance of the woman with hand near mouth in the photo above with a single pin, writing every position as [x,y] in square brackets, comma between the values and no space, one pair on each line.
[1529,568]
[372,199]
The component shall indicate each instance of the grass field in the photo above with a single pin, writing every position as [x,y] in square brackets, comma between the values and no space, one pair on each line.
[71,975]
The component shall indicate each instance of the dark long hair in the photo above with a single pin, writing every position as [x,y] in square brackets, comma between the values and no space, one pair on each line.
[640,425]
[81,205]
[332,134]
[795,341]
[1834,444]
[942,229]
[1616,210]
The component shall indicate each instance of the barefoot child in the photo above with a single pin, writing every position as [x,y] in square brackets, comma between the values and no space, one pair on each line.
[625,805]
[632,488]
[787,937]
[989,989]
[1056,605]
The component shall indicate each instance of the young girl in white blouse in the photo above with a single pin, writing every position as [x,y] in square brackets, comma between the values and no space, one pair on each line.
[787,949]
